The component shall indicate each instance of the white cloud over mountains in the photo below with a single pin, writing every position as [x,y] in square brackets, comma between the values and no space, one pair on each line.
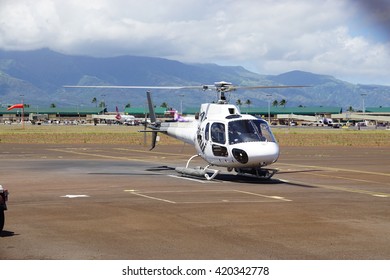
[269,37]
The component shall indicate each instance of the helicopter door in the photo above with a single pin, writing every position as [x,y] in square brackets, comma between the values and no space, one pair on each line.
[218,139]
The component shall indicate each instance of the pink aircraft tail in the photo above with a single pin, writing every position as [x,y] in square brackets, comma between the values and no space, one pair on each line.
[118,116]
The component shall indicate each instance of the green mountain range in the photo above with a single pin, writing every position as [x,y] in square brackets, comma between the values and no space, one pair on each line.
[38,78]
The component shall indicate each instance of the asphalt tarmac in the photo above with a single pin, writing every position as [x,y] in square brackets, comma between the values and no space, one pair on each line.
[118,202]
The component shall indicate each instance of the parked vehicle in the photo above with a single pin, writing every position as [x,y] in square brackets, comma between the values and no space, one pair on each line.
[3,205]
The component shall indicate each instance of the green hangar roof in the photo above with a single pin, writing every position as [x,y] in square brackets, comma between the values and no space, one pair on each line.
[142,111]
[377,109]
[254,111]
[292,110]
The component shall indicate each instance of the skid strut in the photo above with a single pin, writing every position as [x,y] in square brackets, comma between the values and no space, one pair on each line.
[197,171]
[261,173]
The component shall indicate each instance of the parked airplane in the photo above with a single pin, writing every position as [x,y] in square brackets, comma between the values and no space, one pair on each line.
[123,118]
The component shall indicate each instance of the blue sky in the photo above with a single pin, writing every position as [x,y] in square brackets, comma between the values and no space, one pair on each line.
[344,38]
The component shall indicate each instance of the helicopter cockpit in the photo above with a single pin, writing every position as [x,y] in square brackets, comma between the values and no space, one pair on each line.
[252,130]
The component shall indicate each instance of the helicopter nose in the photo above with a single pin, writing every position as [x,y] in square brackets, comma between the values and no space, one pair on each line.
[254,154]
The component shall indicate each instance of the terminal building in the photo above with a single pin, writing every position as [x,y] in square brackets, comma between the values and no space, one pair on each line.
[275,115]
[51,115]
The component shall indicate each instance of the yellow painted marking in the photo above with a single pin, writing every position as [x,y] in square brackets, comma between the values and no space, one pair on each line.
[376,194]
[352,179]
[99,155]
[151,152]
[337,169]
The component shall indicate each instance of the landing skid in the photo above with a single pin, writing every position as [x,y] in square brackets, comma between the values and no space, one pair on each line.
[261,173]
[197,171]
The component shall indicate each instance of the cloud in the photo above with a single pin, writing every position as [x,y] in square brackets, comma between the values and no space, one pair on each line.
[375,14]
[267,37]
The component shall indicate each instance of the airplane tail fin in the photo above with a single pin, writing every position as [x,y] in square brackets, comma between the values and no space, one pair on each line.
[118,116]
[176,116]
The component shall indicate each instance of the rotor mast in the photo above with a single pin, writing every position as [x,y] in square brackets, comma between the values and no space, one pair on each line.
[221,88]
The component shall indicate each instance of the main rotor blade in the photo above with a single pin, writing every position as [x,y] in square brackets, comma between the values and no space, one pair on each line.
[138,87]
[202,87]
[255,87]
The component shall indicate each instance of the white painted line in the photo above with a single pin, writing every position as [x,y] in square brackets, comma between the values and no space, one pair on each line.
[224,201]
[271,198]
[191,179]
[381,195]
[75,195]
[151,197]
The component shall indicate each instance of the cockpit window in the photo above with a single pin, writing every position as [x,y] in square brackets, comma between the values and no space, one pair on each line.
[249,131]
[218,133]
[206,132]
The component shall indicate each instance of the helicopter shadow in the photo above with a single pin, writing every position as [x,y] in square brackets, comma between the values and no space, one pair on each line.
[221,177]
[122,173]
[148,172]
[233,178]
[160,168]
[236,178]
[6,233]
[299,171]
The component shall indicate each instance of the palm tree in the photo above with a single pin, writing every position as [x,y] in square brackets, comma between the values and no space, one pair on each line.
[94,100]
[283,102]
[239,103]
[102,104]
[275,103]
[128,105]
[248,103]
[52,105]
[164,105]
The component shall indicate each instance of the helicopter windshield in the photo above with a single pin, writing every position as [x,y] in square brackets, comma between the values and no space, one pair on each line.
[249,131]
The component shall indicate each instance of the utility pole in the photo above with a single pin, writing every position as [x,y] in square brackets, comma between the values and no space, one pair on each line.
[269,108]
[22,115]
[364,107]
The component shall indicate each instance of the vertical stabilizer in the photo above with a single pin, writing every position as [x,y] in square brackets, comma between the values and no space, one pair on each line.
[152,117]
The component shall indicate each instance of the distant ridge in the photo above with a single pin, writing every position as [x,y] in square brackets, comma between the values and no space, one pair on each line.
[301,77]
[40,75]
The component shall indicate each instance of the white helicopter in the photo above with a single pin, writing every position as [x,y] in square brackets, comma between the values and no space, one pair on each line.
[221,135]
